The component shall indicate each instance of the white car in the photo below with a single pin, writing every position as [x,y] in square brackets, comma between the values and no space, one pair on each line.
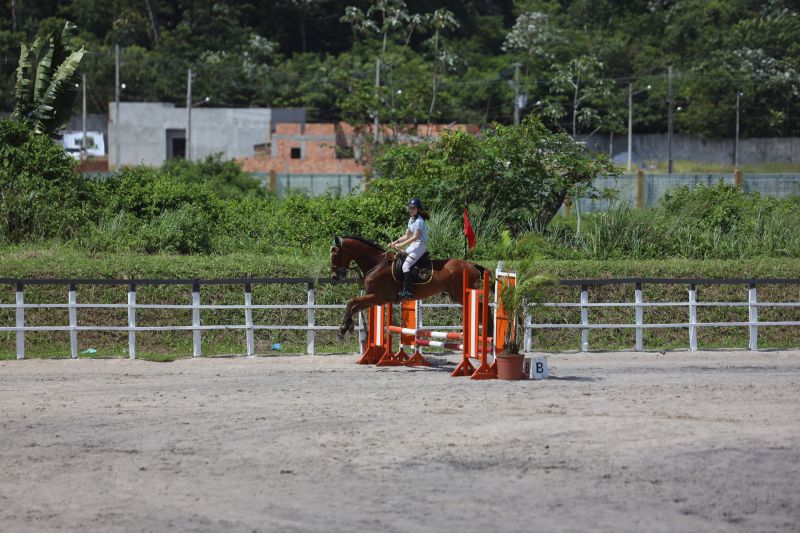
[95,145]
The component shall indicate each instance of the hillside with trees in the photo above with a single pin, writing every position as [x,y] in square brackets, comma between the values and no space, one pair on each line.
[442,61]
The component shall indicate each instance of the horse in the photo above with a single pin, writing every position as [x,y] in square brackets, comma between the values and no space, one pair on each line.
[374,266]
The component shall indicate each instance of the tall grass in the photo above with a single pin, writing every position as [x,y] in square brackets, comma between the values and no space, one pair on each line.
[447,232]
[623,232]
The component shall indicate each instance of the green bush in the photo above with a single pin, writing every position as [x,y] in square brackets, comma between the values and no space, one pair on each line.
[147,192]
[186,230]
[718,222]
[225,178]
[42,196]
[720,207]
[211,207]
[151,210]
[524,172]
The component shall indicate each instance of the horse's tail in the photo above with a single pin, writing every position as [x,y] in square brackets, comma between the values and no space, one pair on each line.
[481,270]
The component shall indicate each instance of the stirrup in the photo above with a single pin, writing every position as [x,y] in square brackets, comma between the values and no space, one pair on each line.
[405,295]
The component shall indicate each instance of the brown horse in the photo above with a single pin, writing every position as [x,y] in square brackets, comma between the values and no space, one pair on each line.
[374,265]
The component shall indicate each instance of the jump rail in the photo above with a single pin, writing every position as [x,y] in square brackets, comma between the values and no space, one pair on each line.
[311,327]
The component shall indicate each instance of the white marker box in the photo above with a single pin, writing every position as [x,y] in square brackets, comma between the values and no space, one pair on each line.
[536,368]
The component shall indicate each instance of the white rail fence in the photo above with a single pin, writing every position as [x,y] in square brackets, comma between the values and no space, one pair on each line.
[196,327]
[311,327]
[691,304]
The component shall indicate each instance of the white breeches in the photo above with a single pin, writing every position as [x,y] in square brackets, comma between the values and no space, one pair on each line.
[415,251]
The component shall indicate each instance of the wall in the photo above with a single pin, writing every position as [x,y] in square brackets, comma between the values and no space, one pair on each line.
[653,147]
[143,137]
[652,187]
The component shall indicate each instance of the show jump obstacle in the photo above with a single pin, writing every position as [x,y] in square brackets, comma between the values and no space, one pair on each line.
[474,341]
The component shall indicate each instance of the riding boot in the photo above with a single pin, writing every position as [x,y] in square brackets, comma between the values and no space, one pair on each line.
[408,286]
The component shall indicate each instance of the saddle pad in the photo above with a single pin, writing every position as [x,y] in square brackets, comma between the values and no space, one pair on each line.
[422,269]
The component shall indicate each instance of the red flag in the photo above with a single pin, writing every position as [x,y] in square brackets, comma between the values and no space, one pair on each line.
[468,231]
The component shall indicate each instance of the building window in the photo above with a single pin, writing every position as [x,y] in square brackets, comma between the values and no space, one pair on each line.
[295,152]
[176,144]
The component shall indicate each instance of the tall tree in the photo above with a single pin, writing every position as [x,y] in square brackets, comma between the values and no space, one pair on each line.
[441,20]
[531,32]
[151,11]
[583,81]
[16,18]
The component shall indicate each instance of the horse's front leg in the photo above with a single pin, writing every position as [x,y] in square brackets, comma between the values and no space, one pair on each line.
[354,306]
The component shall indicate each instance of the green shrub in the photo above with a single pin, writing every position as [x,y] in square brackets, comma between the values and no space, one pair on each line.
[42,196]
[719,207]
[524,171]
[186,230]
[147,192]
[225,178]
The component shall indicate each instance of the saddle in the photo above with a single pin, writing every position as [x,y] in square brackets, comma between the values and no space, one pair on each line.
[422,269]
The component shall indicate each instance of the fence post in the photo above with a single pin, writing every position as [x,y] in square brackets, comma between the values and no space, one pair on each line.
[692,318]
[640,189]
[196,338]
[310,333]
[20,321]
[585,318]
[752,308]
[248,319]
[132,321]
[639,318]
[73,321]
[527,332]
[737,178]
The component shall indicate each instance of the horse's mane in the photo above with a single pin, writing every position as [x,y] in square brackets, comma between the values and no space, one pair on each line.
[365,241]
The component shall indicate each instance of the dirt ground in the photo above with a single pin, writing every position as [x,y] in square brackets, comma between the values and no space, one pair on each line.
[612,442]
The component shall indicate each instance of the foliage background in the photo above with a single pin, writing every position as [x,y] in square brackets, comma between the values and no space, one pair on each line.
[299,53]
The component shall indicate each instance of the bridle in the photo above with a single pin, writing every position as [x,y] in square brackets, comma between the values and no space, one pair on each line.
[342,271]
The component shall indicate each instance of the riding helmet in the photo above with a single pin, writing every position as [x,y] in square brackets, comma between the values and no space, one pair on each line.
[415,202]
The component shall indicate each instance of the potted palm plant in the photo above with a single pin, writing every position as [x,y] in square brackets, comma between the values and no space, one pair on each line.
[530,290]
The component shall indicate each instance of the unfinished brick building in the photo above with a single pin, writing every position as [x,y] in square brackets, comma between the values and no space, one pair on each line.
[323,153]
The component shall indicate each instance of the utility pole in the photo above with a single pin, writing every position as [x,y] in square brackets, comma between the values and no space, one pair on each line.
[376,120]
[188,148]
[630,128]
[516,93]
[669,118]
[117,129]
[736,142]
[84,154]
[631,94]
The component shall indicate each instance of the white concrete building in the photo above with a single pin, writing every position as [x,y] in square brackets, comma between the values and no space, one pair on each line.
[151,132]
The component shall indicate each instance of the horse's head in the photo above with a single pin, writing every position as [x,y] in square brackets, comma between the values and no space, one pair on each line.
[340,259]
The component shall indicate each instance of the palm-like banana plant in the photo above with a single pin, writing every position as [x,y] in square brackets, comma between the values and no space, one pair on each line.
[531,289]
[47,81]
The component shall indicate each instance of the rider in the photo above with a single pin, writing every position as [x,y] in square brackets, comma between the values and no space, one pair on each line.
[417,235]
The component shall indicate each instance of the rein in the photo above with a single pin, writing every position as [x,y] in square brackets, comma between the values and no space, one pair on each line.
[386,259]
